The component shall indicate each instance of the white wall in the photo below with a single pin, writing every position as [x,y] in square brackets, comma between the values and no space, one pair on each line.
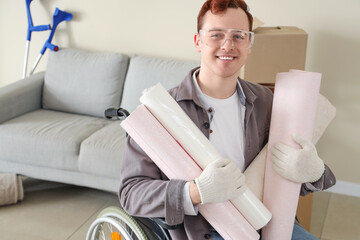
[165,28]
[161,28]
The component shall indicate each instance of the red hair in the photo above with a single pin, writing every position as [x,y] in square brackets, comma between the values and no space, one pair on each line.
[220,6]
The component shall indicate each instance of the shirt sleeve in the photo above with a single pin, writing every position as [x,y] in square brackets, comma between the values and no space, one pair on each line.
[326,181]
[189,208]
[145,191]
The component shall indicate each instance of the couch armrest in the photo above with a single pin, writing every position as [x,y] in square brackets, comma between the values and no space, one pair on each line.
[21,97]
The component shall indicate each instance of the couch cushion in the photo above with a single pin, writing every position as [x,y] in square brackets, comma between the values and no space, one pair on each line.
[102,152]
[84,83]
[47,138]
[145,72]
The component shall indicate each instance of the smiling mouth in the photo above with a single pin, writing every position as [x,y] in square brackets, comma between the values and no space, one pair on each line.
[227,58]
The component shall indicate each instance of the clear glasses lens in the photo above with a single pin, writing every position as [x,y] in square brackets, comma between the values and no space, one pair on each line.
[217,38]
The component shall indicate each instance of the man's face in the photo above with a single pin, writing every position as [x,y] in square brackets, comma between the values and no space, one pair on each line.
[224,60]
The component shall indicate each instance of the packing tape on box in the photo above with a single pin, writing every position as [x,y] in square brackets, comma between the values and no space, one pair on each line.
[294,108]
[325,113]
[175,162]
[183,129]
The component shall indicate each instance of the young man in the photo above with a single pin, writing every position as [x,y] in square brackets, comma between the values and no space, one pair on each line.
[234,115]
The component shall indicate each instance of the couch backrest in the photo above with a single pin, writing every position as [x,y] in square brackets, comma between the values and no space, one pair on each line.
[145,72]
[84,83]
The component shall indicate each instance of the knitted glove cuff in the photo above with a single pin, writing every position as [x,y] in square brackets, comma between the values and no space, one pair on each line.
[207,193]
[316,175]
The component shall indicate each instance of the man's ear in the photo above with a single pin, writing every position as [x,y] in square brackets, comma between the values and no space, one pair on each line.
[249,52]
[197,42]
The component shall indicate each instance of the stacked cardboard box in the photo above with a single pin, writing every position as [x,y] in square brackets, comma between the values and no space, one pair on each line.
[275,49]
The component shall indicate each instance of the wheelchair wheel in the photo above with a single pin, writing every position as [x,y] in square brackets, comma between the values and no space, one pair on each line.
[114,223]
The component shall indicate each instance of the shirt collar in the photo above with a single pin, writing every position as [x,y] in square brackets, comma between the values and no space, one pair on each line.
[186,90]
[238,87]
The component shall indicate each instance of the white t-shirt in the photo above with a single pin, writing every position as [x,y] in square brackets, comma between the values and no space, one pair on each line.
[226,130]
[226,125]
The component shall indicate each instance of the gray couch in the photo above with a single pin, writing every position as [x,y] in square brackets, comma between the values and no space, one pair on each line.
[52,124]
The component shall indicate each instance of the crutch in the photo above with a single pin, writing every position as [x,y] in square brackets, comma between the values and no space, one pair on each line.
[58,17]
[31,28]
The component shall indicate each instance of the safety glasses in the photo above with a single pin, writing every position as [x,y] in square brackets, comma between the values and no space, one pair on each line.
[215,38]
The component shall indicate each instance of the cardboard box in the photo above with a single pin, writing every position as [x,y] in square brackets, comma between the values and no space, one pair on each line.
[304,210]
[275,49]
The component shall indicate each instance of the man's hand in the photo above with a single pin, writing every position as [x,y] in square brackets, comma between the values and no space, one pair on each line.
[297,165]
[220,181]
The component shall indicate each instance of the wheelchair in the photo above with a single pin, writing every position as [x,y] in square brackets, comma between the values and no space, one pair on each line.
[115,224]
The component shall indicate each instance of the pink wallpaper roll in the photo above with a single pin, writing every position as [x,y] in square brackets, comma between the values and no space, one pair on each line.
[255,173]
[171,158]
[294,108]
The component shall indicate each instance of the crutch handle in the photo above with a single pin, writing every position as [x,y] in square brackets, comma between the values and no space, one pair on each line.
[36,29]
[40,28]
[50,46]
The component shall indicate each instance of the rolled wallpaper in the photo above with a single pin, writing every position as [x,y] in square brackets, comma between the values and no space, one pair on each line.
[176,163]
[294,109]
[183,129]
[325,113]
[255,173]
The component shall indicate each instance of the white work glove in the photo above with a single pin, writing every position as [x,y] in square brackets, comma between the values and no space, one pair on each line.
[220,181]
[297,165]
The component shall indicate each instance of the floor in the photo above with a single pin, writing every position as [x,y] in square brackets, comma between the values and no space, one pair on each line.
[53,211]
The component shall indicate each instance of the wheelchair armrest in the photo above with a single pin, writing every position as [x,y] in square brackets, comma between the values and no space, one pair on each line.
[161,222]
[120,113]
